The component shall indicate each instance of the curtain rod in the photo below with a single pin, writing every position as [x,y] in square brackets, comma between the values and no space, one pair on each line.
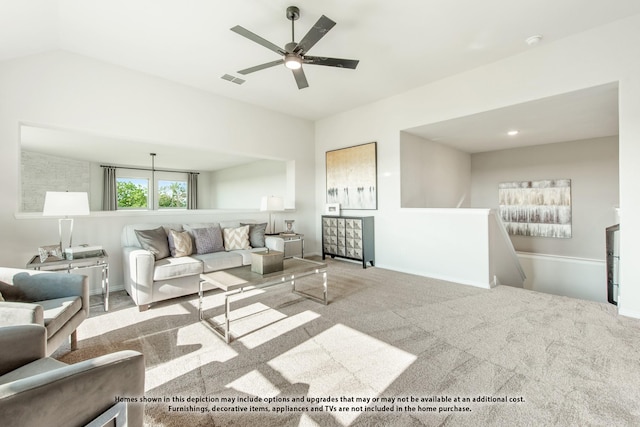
[148,169]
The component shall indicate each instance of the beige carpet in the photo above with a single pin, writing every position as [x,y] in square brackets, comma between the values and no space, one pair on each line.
[389,349]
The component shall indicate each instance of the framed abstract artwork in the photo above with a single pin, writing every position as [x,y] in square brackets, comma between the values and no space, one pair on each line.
[352,177]
[536,208]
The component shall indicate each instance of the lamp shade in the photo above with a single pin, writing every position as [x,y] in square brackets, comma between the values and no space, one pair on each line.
[272,203]
[65,203]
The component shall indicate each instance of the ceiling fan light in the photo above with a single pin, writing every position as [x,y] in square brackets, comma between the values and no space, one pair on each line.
[292,62]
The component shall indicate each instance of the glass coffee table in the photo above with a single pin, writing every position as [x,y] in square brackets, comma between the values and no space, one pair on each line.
[236,280]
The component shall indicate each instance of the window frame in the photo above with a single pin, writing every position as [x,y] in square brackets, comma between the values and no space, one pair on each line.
[156,176]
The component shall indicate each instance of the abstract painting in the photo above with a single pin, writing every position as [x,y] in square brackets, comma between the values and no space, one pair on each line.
[536,208]
[352,177]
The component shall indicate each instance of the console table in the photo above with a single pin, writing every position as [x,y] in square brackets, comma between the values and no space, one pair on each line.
[348,237]
[101,261]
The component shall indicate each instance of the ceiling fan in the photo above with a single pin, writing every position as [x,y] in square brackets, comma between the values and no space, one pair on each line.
[295,54]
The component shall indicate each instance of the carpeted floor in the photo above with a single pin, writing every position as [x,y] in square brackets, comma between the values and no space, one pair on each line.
[389,349]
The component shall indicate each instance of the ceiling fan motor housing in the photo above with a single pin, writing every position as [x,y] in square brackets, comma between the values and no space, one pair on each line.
[290,47]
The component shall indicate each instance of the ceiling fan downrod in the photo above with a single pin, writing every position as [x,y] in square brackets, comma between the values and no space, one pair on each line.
[293,13]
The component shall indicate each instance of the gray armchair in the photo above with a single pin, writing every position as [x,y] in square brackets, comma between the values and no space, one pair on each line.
[57,301]
[39,391]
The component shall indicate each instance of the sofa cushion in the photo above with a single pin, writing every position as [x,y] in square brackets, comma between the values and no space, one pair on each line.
[57,312]
[208,239]
[236,238]
[129,237]
[256,234]
[220,260]
[170,268]
[155,241]
[180,243]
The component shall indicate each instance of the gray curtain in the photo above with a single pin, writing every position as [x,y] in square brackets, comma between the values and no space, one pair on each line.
[192,191]
[110,191]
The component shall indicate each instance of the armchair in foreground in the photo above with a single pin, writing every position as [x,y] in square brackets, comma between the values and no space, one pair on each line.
[57,301]
[40,391]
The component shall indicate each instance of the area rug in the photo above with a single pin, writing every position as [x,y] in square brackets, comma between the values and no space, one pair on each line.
[390,349]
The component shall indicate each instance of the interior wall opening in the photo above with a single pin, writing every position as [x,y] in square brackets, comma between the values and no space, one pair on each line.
[461,162]
[67,160]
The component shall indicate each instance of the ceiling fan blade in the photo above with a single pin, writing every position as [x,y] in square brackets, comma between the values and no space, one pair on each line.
[301,79]
[261,66]
[316,32]
[331,62]
[256,38]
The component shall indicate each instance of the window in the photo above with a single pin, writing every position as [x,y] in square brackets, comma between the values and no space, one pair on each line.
[133,193]
[135,190]
[172,194]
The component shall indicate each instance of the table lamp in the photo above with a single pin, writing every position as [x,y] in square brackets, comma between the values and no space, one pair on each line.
[65,204]
[272,204]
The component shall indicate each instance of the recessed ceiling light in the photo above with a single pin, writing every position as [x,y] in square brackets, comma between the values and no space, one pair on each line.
[533,40]
[513,132]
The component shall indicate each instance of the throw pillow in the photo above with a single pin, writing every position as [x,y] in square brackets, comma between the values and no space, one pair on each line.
[236,238]
[208,240]
[155,241]
[180,243]
[256,234]
[12,293]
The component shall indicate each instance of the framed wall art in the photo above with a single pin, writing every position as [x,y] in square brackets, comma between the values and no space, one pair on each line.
[352,177]
[536,208]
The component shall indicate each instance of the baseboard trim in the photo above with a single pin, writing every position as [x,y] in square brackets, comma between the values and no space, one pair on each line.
[560,258]
[445,278]
[628,313]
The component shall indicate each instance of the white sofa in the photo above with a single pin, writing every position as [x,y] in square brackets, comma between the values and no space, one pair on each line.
[148,280]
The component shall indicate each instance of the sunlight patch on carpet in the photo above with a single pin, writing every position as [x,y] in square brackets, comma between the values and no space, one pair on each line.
[306,421]
[250,318]
[276,329]
[343,362]
[212,350]
[256,384]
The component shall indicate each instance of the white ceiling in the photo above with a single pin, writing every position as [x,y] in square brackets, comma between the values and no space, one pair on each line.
[401,44]
[107,150]
[584,114]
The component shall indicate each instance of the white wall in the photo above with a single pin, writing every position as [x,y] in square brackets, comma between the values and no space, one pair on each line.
[431,251]
[72,92]
[433,175]
[603,55]
[566,276]
[243,186]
